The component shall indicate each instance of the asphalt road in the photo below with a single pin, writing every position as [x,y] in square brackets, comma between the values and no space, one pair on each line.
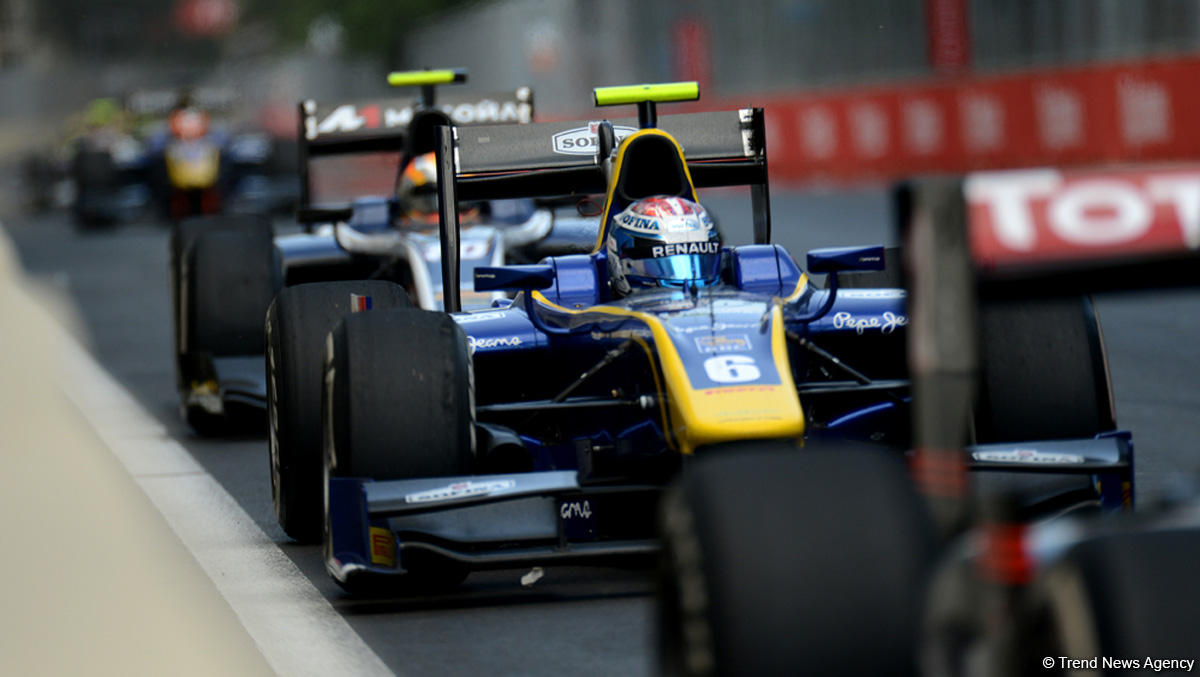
[575,620]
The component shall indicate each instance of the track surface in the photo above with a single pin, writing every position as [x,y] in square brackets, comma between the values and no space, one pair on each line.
[575,620]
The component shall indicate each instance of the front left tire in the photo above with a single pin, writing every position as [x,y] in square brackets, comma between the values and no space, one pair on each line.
[297,324]
[398,404]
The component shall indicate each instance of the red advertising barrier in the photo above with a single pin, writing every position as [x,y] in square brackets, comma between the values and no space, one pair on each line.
[1046,216]
[691,49]
[1099,114]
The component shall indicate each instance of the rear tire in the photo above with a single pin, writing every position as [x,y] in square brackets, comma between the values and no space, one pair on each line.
[298,322]
[778,560]
[228,279]
[398,404]
[1043,372]
[183,236]
[95,176]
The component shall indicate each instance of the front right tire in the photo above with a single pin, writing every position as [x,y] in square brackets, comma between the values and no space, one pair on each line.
[1043,372]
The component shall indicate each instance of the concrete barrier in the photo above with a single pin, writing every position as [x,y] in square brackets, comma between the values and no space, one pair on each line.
[96,582]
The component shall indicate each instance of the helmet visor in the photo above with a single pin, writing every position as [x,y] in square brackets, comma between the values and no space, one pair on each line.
[422,201]
[679,268]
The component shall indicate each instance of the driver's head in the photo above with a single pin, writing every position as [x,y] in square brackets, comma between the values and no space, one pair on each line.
[188,123]
[663,242]
[418,189]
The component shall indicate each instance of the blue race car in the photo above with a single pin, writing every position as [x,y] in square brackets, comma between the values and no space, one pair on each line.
[543,429]
[227,269]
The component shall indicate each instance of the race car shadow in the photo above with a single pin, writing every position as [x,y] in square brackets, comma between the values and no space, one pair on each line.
[238,422]
[507,588]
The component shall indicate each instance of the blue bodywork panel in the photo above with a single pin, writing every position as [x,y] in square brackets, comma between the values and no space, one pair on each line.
[763,269]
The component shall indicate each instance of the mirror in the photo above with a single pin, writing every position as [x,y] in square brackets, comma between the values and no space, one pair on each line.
[514,278]
[845,259]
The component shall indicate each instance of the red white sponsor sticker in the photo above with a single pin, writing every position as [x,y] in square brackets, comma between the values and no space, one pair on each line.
[1046,216]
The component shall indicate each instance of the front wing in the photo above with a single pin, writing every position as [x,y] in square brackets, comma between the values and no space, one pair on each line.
[485,522]
[527,519]
[1107,460]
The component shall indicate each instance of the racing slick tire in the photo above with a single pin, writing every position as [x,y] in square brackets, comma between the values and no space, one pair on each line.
[183,237]
[298,322]
[398,404]
[1128,594]
[95,175]
[779,560]
[1043,371]
[228,277]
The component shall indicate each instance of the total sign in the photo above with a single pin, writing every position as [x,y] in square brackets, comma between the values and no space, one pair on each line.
[1043,216]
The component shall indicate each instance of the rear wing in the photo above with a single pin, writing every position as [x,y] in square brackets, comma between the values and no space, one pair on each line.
[377,125]
[159,102]
[551,159]
[382,125]
[723,148]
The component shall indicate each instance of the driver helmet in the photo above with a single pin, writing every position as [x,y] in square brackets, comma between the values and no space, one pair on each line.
[663,241]
[418,189]
[418,194]
[188,123]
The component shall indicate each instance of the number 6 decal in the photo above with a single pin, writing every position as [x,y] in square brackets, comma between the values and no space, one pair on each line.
[732,369]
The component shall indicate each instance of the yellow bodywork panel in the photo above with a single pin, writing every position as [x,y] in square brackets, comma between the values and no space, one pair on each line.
[618,167]
[700,416]
[193,166]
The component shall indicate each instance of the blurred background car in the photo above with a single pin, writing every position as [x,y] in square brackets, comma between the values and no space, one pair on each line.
[201,160]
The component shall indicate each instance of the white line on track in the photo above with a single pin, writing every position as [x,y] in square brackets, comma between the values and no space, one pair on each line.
[294,626]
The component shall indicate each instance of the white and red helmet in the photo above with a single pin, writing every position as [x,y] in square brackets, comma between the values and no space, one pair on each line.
[663,242]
